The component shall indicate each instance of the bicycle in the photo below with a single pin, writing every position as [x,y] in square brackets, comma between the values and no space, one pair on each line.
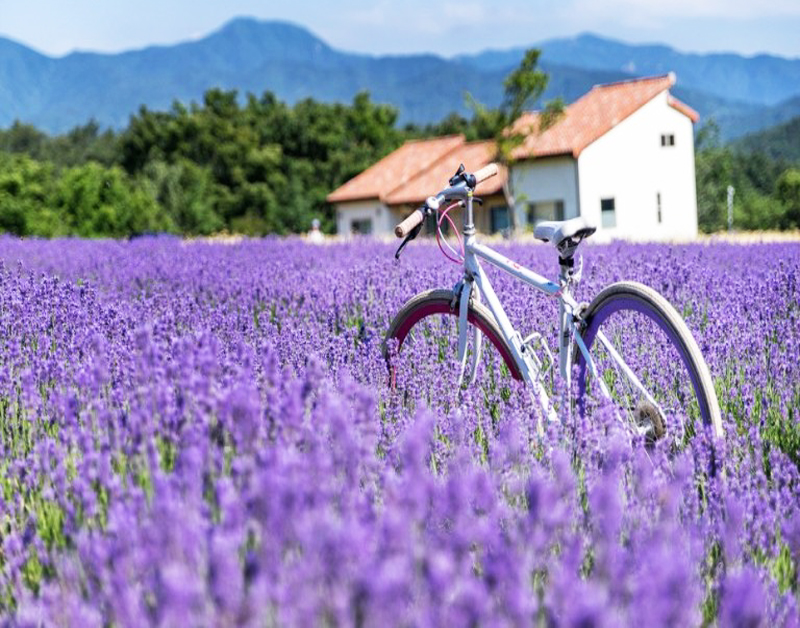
[630,346]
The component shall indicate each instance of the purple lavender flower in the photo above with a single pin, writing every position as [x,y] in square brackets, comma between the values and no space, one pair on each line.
[743,603]
[198,433]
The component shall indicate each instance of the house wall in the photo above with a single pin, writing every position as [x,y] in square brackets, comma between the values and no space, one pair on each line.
[630,165]
[545,180]
[370,209]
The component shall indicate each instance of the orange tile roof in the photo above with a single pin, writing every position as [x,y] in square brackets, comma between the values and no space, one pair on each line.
[683,108]
[592,116]
[395,169]
[474,155]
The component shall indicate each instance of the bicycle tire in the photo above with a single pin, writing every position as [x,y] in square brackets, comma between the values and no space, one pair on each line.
[635,297]
[444,302]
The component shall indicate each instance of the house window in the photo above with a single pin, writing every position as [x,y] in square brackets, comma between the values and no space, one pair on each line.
[499,219]
[658,207]
[608,213]
[668,139]
[361,227]
[545,210]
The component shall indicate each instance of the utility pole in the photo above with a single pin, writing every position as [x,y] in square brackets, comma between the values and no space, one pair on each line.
[731,192]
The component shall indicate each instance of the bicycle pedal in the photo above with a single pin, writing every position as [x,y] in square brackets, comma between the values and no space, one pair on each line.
[648,423]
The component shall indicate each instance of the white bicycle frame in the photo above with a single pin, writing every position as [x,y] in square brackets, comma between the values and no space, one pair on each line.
[475,282]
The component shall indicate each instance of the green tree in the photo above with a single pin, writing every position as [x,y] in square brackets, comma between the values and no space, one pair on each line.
[714,173]
[26,188]
[522,89]
[753,177]
[101,202]
[185,192]
[272,165]
[83,144]
[24,139]
[788,193]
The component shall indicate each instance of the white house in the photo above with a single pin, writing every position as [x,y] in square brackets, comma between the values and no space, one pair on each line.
[380,197]
[622,156]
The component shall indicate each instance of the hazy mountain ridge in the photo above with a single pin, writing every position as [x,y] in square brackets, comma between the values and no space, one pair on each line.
[761,79]
[56,94]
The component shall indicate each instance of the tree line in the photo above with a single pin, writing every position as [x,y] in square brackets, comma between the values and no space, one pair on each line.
[255,167]
[261,166]
[766,186]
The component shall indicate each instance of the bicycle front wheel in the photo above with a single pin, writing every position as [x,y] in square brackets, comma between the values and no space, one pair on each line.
[421,346]
[645,358]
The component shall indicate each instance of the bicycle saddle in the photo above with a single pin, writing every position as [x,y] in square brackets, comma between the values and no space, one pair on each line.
[557,231]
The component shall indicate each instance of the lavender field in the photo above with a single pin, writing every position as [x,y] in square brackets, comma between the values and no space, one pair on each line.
[202,434]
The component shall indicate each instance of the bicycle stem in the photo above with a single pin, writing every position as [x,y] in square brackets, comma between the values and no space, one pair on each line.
[469,219]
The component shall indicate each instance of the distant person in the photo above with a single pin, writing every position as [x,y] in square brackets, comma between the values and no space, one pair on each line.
[315,235]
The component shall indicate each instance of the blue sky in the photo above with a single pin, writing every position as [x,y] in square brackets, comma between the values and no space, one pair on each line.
[446,27]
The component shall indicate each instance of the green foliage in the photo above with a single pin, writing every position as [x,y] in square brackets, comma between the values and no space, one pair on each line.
[89,200]
[185,193]
[779,143]
[765,189]
[788,193]
[259,168]
[82,144]
[523,86]
[251,167]
[26,188]
[95,201]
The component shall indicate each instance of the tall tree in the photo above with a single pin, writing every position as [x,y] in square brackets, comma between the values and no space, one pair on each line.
[523,88]
[788,193]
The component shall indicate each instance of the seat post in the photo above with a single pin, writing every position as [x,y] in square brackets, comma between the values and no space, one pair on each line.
[566,249]
[565,265]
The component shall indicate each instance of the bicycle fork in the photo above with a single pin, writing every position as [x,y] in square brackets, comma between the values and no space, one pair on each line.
[463,293]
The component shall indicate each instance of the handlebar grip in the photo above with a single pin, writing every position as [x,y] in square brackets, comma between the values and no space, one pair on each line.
[487,172]
[403,229]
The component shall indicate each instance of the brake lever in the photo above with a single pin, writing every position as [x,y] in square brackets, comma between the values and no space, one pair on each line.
[411,235]
[458,175]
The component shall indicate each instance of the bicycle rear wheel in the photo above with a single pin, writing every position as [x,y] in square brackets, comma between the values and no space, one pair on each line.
[647,359]
[421,346]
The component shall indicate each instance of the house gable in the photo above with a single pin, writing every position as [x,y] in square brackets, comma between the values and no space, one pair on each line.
[649,181]
[592,116]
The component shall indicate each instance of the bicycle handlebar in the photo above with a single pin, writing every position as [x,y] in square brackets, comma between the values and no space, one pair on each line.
[405,227]
[487,172]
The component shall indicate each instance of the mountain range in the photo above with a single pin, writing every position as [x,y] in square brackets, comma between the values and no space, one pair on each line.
[743,94]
